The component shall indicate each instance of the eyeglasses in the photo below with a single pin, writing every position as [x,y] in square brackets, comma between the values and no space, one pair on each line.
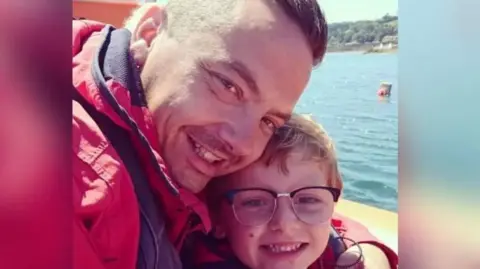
[257,206]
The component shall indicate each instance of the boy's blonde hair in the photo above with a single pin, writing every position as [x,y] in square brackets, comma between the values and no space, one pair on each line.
[302,135]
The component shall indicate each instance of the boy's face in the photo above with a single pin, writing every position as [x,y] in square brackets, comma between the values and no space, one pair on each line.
[274,243]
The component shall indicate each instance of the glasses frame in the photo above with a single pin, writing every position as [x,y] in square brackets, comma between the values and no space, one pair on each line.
[230,196]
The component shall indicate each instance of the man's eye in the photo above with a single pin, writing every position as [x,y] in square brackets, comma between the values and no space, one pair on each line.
[269,123]
[229,86]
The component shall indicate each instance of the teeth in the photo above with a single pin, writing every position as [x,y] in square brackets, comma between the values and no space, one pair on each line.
[205,154]
[284,248]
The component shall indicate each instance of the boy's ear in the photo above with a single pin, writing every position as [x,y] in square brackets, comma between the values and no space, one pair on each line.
[219,232]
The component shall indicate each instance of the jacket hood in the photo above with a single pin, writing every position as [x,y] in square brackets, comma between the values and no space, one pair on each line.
[106,75]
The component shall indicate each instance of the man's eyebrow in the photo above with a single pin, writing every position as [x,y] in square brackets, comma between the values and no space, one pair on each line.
[282,115]
[244,72]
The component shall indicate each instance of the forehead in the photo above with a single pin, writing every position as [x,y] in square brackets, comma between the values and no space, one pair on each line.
[301,173]
[272,45]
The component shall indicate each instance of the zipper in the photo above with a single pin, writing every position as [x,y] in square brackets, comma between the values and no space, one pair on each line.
[192,220]
[183,232]
[154,240]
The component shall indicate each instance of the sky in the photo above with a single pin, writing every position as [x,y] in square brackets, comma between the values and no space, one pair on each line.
[354,10]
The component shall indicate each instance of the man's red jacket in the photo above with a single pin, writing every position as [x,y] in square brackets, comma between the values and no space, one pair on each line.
[106,209]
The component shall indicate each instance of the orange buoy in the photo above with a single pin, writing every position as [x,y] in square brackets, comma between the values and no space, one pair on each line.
[385,89]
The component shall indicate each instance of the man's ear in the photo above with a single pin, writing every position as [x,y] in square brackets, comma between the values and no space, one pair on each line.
[149,18]
[144,24]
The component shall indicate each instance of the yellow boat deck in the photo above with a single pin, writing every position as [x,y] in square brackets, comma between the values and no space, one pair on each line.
[381,223]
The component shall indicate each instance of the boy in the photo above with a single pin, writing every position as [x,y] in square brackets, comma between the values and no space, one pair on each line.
[277,212]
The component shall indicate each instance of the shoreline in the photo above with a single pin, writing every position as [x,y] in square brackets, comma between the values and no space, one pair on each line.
[364,51]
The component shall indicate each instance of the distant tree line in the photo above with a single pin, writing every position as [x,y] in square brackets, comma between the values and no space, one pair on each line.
[383,30]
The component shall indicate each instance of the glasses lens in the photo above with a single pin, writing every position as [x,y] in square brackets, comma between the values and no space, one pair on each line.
[313,206]
[253,207]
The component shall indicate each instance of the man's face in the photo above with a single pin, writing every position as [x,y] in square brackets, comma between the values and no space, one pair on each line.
[217,96]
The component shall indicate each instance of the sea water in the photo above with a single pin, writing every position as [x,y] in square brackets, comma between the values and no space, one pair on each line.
[341,95]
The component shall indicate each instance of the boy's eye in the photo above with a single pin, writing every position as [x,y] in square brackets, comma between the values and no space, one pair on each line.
[253,203]
[308,200]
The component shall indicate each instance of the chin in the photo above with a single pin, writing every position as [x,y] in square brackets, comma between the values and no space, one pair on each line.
[231,169]
[190,180]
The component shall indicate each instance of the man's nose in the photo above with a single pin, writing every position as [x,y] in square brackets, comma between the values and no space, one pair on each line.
[240,136]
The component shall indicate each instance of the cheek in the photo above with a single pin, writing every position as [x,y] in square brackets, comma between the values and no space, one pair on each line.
[244,243]
[318,238]
[185,105]
[260,140]
[193,104]
[242,236]
[243,239]
[170,86]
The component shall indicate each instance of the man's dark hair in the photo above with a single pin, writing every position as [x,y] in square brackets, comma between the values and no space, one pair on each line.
[309,17]
[186,16]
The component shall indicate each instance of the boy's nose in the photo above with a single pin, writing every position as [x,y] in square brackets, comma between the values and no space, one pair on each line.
[284,217]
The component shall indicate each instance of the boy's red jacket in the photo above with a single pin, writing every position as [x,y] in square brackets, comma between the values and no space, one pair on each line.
[210,253]
[106,210]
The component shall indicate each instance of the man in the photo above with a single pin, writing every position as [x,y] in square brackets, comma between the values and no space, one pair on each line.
[193,91]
